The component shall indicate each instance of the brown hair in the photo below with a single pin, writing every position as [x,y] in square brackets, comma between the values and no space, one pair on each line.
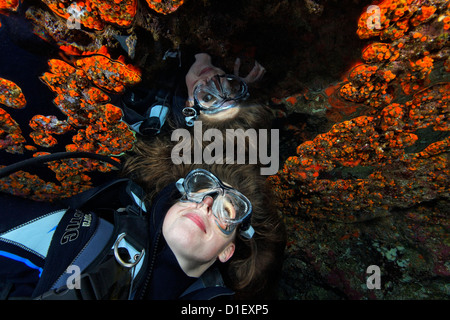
[255,263]
[251,115]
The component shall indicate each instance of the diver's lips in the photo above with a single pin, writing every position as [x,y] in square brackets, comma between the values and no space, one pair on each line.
[197,220]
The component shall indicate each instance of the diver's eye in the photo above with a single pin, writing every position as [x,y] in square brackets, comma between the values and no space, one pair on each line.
[207,98]
[229,210]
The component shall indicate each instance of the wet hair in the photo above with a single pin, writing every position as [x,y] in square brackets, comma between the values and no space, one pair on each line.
[256,262]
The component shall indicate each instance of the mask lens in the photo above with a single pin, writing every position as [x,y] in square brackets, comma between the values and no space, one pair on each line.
[206,98]
[218,90]
[224,209]
[230,207]
[200,182]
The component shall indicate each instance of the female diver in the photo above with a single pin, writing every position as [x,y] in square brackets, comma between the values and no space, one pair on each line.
[201,234]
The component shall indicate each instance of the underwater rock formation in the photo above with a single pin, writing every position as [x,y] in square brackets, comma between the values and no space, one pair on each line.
[73,41]
[365,166]
[164,6]
[11,95]
[9,5]
[80,98]
[97,123]
[85,26]
[11,138]
[43,128]
[108,74]
[94,14]
[354,196]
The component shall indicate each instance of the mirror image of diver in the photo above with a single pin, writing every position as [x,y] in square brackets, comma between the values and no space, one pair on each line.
[215,99]
[186,240]
[204,92]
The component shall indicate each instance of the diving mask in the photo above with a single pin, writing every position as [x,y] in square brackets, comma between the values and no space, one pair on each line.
[230,207]
[220,93]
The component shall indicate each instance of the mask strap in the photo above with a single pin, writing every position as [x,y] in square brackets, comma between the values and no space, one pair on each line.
[180,186]
[248,233]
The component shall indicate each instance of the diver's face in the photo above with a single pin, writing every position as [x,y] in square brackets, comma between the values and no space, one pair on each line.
[200,71]
[191,230]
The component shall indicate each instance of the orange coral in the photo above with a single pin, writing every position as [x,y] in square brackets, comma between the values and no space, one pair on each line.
[11,95]
[103,138]
[119,12]
[306,185]
[446,21]
[44,127]
[94,14]
[9,5]
[406,62]
[85,105]
[382,21]
[430,107]
[377,52]
[372,161]
[11,138]
[31,186]
[77,98]
[70,173]
[164,6]
[367,84]
[423,66]
[99,125]
[111,75]
[425,13]
[78,12]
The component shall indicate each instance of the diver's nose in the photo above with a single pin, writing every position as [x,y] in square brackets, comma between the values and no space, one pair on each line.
[206,204]
[208,201]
